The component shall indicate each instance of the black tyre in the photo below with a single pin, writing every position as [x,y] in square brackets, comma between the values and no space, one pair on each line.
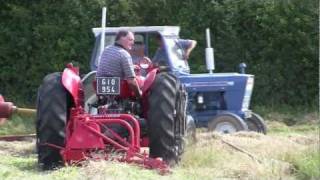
[227,123]
[52,111]
[257,124]
[167,118]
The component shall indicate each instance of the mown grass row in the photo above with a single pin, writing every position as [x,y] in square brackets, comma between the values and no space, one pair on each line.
[18,125]
[209,158]
[287,152]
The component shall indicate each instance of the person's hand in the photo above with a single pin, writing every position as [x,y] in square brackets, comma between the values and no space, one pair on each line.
[186,55]
[140,93]
[136,67]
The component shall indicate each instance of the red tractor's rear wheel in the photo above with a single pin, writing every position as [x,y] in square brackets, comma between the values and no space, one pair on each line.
[53,103]
[165,117]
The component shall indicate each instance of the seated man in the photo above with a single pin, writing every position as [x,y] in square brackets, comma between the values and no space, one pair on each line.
[117,62]
[160,57]
[138,56]
[137,52]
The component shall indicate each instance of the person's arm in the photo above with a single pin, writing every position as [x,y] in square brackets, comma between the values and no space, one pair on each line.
[134,86]
[129,74]
[192,45]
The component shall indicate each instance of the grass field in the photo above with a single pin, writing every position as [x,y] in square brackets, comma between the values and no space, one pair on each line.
[287,152]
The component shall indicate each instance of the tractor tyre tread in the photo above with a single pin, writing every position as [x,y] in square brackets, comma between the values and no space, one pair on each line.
[165,117]
[257,124]
[52,113]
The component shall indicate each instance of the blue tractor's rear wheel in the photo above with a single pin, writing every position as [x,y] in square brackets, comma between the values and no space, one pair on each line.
[227,123]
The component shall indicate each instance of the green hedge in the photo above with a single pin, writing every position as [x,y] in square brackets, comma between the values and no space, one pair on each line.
[277,39]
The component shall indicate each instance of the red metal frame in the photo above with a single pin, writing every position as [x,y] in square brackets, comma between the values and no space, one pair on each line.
[85,138]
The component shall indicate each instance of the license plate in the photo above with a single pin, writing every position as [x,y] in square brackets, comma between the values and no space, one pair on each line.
[108,85]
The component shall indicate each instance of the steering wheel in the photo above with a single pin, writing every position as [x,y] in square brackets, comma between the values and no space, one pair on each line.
[144,64]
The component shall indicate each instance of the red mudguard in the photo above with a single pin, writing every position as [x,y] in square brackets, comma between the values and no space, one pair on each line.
[149,80]
[72,82]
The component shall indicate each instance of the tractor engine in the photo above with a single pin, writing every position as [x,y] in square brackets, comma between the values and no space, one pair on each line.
[123,103]
[118,105]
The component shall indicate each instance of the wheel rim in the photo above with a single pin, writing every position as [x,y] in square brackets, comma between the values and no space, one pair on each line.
[92,99]
[225,127]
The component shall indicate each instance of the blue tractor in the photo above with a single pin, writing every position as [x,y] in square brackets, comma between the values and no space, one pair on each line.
[218,101]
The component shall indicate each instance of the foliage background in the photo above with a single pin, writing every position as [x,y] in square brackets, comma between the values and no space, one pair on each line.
[277,39]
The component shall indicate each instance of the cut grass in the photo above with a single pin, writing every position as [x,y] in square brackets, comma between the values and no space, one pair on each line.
[18,125]
[279,156]
[306,163]
[287,152]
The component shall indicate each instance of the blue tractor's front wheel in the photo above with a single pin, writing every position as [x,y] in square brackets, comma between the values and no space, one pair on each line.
[257,124]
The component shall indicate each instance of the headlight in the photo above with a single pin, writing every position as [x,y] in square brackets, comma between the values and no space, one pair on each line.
[247,93]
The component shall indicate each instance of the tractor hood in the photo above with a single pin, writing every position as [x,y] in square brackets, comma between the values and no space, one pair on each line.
[237,88]
[216,81]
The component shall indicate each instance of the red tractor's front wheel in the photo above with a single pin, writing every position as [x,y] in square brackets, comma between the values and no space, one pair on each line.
[53,103]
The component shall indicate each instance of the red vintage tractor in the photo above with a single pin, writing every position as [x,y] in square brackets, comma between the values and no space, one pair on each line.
[100,118]
[114,124]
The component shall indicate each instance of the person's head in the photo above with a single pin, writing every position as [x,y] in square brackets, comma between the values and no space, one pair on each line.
[125,39]
[137,49]
[159,39]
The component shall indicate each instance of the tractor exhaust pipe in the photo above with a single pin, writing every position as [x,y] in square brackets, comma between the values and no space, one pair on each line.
[8,108]
[103,29]
[209,53]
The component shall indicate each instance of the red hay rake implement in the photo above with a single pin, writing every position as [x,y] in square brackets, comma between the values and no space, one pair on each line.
[6,111]
[85,140]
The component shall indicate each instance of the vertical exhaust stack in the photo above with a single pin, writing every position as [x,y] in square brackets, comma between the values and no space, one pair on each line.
[209,53]
[103,27]
[242,68]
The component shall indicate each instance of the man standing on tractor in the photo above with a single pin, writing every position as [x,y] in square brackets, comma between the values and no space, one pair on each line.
[117,62]
[160,57]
